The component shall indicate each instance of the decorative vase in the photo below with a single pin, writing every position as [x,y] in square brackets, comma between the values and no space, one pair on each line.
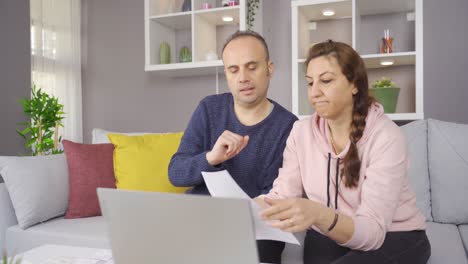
[185,55]
[211,55]
[388,97]
[187,6]
[164,53]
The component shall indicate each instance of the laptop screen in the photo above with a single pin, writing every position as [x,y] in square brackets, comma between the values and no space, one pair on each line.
[150,227]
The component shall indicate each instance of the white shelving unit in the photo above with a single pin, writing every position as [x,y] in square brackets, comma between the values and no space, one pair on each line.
[201,30]
[360,23]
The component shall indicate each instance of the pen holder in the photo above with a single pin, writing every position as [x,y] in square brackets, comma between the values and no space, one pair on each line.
[387,45]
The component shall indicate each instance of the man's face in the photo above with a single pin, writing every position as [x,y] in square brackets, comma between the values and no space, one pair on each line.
[247,71]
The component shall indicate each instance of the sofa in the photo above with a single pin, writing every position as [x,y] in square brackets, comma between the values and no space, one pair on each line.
[438,174]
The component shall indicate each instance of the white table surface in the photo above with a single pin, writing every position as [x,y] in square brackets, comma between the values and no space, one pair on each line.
[40,255]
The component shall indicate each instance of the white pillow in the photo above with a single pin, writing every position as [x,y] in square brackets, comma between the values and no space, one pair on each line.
[38,187]
[100,135]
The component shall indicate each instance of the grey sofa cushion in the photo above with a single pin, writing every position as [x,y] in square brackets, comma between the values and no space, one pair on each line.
[446,244]
[7,215]
[448,170]
[85,232]
[38,187]
[464,235]
[100,135]
[416,139]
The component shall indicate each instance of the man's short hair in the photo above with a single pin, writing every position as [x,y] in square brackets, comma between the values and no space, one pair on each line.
[248,33]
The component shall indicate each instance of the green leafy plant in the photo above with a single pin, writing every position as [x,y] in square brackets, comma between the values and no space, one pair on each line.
[252,6]
[384,82]
[45,115]
[12,260]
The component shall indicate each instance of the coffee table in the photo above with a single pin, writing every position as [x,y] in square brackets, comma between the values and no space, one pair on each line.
[60,254]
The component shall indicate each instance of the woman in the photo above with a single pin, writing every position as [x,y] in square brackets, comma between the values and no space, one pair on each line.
[350,161]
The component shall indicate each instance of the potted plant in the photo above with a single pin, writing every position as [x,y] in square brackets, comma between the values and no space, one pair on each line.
[386,92]
[45,114]
[12,260]
[252,6]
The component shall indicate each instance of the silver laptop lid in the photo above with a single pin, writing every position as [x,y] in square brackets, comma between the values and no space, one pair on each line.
[163,228]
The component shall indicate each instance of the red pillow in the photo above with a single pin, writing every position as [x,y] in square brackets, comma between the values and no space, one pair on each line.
[89,166]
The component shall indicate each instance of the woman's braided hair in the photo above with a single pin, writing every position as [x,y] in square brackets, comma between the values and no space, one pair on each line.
[353,67]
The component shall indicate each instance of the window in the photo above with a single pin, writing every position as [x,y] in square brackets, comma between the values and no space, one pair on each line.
[56,57]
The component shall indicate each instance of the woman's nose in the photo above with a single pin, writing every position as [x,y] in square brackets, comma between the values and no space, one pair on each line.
[314,90]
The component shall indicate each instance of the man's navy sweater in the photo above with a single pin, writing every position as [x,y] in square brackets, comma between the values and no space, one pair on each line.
[254,168]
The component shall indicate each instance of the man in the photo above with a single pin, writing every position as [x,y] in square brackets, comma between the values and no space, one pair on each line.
[243,131]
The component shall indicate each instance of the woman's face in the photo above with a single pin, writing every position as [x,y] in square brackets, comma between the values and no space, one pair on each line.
[329,92]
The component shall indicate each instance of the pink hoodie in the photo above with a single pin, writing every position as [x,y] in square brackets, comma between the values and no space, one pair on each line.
[383,200]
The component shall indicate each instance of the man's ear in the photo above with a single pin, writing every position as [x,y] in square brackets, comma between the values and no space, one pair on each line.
[271,68]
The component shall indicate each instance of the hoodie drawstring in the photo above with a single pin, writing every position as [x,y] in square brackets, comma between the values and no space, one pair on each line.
[336,181]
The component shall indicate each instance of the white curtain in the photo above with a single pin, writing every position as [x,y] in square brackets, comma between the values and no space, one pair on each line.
[56,58]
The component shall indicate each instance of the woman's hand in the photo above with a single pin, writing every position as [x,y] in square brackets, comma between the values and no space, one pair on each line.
[293,214]
[260,202]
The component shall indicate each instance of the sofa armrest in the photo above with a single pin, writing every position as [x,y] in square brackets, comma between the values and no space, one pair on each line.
[7,215]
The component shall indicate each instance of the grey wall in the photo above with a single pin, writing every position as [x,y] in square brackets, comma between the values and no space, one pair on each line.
[446,60]
[15,72]
[119,95]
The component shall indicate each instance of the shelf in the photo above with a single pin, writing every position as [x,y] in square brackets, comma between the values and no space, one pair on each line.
[372,61]
[361,23]
[177,21]
[405,116]
[394,117]
[215,16]
[186,69]
[343,9]
[369,7]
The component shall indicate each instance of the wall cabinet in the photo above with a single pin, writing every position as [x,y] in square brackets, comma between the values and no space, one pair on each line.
[203,29]
[361,24]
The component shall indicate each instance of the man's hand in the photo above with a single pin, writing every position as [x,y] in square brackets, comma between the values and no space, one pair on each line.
[227,146]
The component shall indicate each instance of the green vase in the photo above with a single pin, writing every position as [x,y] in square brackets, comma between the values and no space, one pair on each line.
[185,55]
[164,53]
[388,97]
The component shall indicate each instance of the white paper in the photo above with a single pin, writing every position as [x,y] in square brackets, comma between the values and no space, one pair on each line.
[221,184]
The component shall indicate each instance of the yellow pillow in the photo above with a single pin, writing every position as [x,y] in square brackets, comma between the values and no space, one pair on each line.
[141,162]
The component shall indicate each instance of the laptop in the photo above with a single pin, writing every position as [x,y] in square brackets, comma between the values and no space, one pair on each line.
[166,228]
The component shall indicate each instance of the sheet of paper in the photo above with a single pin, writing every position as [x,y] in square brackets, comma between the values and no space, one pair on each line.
[221,184]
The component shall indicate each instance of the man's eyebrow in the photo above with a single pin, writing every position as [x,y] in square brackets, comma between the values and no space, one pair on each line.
[246,64]
[251,63]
